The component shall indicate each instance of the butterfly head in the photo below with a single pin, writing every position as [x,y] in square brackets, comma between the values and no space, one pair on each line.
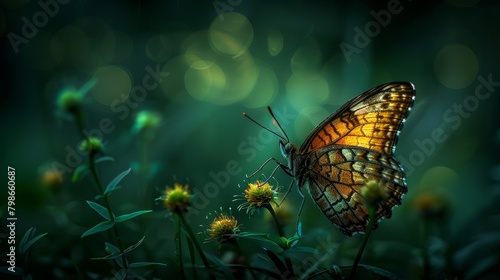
[289,152]
[287,149]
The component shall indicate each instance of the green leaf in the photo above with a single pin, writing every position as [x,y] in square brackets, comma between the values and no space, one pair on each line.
[193,257]
[142,264]
[98,228]
[99,209]
[254,235]
[103,159]
[131,215]
[276,260]
[112,248]
[302,249]
[24,245]
[112,256]
[223,266]
[26,237]
[134,246]
[332,273]
[292,241]
[80,172]
[380,272]
[113,185]
[262,238]
[31,242]
[289,265]
[372,272]
[115,254]
[120,275]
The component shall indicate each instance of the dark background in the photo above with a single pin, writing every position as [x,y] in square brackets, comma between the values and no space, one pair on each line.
[226,57]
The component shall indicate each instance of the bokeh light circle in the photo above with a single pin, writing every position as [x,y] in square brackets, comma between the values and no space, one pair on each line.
[205,81]
[112,83]
[240,71]
[274,42]
[306,88]
[265,90]
[456,66]
[231,35]
[174,87]
[439,177]
[307,57]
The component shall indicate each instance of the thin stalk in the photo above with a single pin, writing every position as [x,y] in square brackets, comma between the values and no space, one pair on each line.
[193,260]
[178,245]
[371,215]
[196,244]
[144,169]
[237,247]
[143,143]
[425,252]
[275,218]
[281,234]
[108,207]
[80,121]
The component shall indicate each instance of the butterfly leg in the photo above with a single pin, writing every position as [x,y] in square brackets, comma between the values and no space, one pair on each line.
[280,165]
[287,192]
[299,230]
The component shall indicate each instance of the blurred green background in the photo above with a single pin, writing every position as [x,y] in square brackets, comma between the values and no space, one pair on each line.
[196,66]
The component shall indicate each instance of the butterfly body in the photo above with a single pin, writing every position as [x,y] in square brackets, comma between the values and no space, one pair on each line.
[351,147]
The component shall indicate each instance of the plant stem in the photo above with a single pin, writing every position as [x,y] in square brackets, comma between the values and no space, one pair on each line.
[144,170]
[178,245]
[275,218]
[371,215]
[425,252]
[108,207]
[281,234]
[237,247]
[80,121]
[196,244]
[445,235]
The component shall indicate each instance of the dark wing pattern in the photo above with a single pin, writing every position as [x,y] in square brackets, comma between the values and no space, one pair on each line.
[372,120]
[353,146]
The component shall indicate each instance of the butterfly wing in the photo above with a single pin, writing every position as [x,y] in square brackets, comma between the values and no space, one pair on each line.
[371,120]
[335,179]
[353,146]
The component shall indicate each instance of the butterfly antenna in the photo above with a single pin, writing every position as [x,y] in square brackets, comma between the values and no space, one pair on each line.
[276,123]
[254,121]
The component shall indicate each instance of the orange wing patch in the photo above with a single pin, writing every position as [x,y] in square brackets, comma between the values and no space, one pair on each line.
[372,123]
[353,146]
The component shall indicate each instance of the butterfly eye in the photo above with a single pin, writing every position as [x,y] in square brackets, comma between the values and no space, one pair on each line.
[284,148]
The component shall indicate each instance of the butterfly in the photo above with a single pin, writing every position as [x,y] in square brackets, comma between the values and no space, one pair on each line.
[351,147]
